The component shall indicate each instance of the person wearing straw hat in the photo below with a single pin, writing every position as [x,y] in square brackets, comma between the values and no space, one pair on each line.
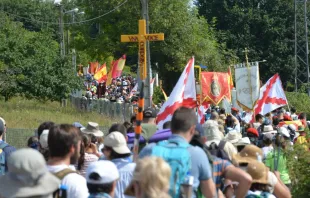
[260,184]
[28,176]
[233,136]
[251,153]
[93,129]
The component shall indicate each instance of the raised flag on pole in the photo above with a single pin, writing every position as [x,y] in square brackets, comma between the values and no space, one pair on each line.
[118,67]
[231,82]
[164,93]
[152,86]
[183,94]
[93,67]
[247,84]
[215,86]
[201,114]
[133,91]
[101,74]
[272,96]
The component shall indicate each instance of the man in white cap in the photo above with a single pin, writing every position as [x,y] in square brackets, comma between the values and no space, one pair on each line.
[116,150]
[101,179]
[5,149]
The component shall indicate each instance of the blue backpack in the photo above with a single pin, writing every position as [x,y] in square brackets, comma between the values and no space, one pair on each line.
[179,159]
[2,158]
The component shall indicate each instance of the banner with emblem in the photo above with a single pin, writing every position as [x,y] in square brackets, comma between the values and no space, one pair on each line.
[215,87]
[247,84]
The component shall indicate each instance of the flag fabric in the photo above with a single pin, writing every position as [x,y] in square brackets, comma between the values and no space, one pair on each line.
[134,90]
[118,66]
[247,85]
[183,94]
[93,67]
[165,95]
[272,96]
[101,74]
[215,86]
[152,86]
[201,114]
[231,82]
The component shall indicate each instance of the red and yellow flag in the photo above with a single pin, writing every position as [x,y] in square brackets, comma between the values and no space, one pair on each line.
[118,67]
[101,74]
[230,78]
[215,86]
[93,67]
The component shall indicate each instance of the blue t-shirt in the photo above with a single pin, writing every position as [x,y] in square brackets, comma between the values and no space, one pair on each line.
[8,150]
[200,167]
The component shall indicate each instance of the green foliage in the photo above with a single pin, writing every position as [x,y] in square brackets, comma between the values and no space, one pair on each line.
[30,64]
[158,96]
[300,101]
[264,27]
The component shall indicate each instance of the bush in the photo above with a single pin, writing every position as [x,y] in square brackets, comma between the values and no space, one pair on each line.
[300,101]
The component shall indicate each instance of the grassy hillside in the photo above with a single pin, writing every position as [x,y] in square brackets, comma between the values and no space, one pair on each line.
[29,114]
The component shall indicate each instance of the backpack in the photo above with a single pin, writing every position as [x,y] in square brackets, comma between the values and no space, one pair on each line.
[179,159]
[262,195]
[2,158]
[218,150]
[62,191]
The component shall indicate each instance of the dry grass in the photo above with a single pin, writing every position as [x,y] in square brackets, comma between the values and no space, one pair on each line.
[29,114]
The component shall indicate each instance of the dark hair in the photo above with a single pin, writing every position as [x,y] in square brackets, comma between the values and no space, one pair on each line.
[275,121]
[183,119]
[127,125]
[267,142]
[293,109]
[167,125]
[258,117]
[44,126]
[260,187]
[61,138]
[268,114]
[222,111]
[132,119]
[131,129]
[33,141]
[229,121]
[99,188]
[302,116]
[85,142]
[115,155]
[120,128]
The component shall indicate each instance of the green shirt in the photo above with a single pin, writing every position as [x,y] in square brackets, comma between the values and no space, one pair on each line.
[282,168]
[148,130]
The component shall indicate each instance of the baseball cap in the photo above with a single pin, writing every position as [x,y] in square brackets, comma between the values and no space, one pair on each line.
[43,138]
[117,142]
[105,169]
[149,113]
[284,132]
[2,124]
[253,131]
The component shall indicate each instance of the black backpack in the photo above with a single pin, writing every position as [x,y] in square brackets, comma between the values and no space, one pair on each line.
[218,150]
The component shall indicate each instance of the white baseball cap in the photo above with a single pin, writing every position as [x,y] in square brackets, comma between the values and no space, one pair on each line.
[284,132]
[105,169]
[117,142]
[43,138]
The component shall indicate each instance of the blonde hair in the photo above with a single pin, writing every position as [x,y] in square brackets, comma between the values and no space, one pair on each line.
[153,176]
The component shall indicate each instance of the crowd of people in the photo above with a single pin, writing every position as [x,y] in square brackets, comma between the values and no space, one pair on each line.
[224,157]
[119,90]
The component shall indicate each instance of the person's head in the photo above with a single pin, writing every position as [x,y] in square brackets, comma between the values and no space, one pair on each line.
[151,179]
[115,146]
[133,120]
[267,139]
[234,111]
[293,110]
[27,176]
[248,154]
[229,122]
[2,127]
[120,128]
[214,116]
[64,142]
[275,121]
[167,125]
[127,125]
[33,142]
[269,116]
[222,111]
[183,122]
[252,134]
[259,118]
[101,177]
[302,116]
[44,126]
[259,173]
[211,130]
[149,116]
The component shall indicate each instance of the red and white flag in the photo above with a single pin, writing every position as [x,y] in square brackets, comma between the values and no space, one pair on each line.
[133,91]
[183,94]
[201,114]
[271,97]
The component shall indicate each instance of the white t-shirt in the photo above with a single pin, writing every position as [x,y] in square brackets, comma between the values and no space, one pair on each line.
[266,150]
[76,184]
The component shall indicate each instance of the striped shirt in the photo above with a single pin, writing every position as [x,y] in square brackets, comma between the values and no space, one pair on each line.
[88,159]
[219,166]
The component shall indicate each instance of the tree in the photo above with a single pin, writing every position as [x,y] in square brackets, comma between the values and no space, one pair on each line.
[30,64]
[265,27]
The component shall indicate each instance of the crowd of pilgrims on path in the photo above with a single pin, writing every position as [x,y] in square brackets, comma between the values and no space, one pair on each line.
[224,157]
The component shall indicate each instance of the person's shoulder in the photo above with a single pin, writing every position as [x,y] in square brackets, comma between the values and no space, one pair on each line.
[197,153]
[9,149]
[74,179]
[147,150]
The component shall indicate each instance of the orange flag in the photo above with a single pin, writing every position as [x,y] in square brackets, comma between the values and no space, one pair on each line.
[230,78]
[215,86]
[118,67]
[93,67]
[101,74]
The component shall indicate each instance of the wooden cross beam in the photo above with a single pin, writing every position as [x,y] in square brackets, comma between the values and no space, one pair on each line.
[141,38]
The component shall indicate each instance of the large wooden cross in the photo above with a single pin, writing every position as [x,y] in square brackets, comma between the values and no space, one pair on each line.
[141,38]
